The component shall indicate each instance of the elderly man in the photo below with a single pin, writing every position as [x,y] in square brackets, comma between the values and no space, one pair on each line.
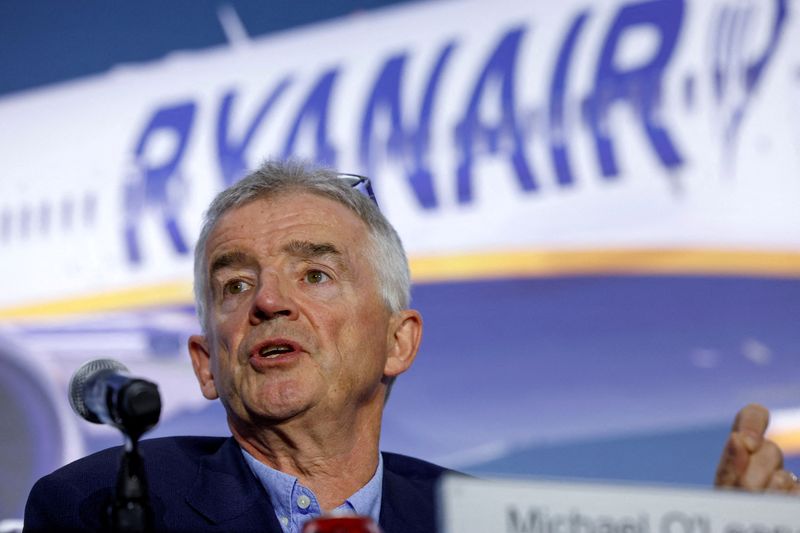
[302,290]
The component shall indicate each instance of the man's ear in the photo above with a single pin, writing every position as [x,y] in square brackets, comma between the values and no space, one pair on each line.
[404,336]
[201,363]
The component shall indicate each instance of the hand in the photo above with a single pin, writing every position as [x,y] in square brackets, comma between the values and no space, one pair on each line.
[751,462]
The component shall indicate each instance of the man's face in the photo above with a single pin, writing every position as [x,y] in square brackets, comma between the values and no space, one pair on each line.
[296,323]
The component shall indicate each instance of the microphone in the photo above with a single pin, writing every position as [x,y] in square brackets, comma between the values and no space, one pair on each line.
[103,392]
[342,524]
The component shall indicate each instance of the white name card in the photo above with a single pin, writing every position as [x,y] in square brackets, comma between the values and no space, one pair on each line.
[513,506]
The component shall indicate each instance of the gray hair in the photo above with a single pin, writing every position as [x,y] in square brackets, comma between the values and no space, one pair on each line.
[277,177]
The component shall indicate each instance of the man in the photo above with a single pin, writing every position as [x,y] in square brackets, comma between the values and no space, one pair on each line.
[302,290]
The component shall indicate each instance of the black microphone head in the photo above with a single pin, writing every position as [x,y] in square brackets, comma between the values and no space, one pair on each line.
[77,384]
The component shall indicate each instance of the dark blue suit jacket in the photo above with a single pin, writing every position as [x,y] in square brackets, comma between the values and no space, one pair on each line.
[204,484]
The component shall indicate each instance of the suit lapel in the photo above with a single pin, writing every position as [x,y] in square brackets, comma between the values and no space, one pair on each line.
[406,506]
[227,493]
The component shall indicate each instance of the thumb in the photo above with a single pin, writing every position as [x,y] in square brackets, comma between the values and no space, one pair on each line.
[733,463]
[751,422]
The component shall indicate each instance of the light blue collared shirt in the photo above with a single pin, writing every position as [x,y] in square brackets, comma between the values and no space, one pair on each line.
[295,504]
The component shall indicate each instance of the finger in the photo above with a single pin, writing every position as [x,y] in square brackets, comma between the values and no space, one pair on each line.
[782,481]
[751,421]
[762,465]
[733,463]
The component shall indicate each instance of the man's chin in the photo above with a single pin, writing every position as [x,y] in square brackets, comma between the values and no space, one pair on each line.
[270,414]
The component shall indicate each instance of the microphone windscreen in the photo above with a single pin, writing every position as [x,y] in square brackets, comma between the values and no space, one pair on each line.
[77,384]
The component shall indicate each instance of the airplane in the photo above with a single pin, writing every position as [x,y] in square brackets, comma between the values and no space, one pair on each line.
[598,203]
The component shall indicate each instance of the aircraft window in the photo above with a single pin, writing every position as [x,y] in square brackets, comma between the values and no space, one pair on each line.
[66,213]
[44,218]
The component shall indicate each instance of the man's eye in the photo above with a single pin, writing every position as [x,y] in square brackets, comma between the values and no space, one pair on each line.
[316,276]
[236,286]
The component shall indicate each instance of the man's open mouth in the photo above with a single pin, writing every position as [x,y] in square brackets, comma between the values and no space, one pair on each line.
[271,352]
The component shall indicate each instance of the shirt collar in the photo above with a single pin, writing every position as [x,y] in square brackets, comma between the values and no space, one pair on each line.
[281,487]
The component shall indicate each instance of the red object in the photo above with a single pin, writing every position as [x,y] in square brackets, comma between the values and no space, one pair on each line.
[342,524]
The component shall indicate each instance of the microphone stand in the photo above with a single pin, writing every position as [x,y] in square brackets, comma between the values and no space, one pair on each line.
[130,511]
[102,392]
[138,410]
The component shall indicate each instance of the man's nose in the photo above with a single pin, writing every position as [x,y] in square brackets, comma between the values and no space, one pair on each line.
[273,299]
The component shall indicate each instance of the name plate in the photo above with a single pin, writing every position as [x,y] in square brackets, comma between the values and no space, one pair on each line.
[513,506]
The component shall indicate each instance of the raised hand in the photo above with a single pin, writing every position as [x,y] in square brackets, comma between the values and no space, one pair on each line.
[749,460]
